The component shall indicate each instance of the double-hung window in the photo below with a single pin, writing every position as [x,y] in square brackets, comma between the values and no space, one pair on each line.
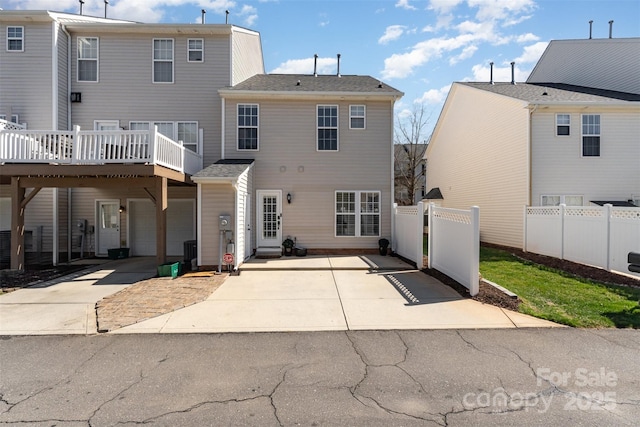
[563,124]
[357,116]
[87,59]
[590,135]
[327,128]
[187,132]
[163,60]
[357,213]
[195,50]
[15,39]
[247,126]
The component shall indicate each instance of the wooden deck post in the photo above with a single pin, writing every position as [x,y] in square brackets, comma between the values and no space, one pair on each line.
[17,225]
[161,220]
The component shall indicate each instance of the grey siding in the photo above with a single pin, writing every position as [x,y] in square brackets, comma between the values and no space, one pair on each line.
[216,200]
[558,167]
[125,91]
[30,70]
[478,156]
[288,160]
[246,55]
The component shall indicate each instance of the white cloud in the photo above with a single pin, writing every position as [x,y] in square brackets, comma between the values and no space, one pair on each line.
[404,4]
[466,53]
[443,6]
[524,38]
[532,53]
[305,66]
[250,15]
[501,10]
[393,32]
[434,96]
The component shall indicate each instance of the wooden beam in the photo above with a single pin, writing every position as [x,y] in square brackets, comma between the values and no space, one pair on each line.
[31,195]
[86,182]
[17,225]
[161,220]
[150,194]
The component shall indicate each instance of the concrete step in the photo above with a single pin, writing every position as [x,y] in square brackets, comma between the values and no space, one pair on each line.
[268,252]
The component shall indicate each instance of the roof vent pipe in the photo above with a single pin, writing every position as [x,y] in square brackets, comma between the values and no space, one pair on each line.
[315,65]
[611,29]
[204,12]
[513,73]
[81,3]
[106,3]
[226,17]
[491,73]
[338,65]
[590,28]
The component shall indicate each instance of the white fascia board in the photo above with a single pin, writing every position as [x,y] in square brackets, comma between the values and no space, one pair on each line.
[135,28]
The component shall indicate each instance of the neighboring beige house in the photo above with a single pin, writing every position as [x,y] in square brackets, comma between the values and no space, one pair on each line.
[548,141]
[409,171]
[143,135]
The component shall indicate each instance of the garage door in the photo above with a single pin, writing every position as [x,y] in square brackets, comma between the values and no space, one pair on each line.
[142,229]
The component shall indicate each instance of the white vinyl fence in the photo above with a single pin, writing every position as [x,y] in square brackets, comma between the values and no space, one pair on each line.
[454,240]
[592,235]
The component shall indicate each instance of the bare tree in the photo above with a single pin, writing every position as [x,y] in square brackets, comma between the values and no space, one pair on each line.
[410,143]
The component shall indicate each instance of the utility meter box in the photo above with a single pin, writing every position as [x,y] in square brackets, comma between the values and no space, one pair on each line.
[81,224]
[225,222]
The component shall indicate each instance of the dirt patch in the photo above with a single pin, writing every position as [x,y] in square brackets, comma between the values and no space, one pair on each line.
[11,280]
[153,297]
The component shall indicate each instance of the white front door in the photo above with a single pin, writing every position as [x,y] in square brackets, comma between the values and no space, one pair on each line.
[269,218]
[107,226]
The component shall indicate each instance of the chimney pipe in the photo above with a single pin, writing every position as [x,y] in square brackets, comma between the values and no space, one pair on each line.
[81,3]
[204,12]
[338,65]
[226,18]
[513,73]
[590,28]
[491,75]
[106,3]
[315,65]
[611,29]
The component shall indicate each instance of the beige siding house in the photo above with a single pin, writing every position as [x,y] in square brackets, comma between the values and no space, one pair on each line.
[143,136]
[540,143]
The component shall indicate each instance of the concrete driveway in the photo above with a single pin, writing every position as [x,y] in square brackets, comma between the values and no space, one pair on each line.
[323,293]
[67,305]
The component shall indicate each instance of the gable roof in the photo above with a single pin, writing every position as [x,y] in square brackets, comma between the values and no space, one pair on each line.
[306,84]
[556,93]
[612,64]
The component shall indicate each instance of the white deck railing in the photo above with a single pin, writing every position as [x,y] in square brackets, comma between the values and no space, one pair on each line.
[96,147]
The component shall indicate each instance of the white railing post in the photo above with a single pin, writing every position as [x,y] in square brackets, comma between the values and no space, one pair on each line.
[524,227]
[76,145]
[607,212]
[562,230]
[474,286]
[430,250]
[152,143]
[394,237]
[420,231]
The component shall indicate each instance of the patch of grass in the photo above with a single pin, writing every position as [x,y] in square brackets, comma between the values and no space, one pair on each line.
[557,296]
[425,244]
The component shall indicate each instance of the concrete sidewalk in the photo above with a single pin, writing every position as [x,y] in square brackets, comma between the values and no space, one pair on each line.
[321,293]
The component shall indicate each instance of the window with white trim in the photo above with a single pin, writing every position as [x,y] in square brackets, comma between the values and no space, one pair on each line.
[327,127]
[87,59]
[187,132]
[563,124]
[195,50]
[556,200]
[247,126]
[357,116]
[590,135]
[357,213]
[14,118]
[162,60]
[15,39]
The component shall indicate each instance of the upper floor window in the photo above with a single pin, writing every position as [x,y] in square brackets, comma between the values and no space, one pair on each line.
[327,128]
[163,60]
[15,39]
[195,50]
[87,59]
[563,124]
[591,135]
[357,117]
[247,126]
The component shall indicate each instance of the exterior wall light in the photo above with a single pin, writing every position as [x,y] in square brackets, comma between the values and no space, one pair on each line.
[289,198]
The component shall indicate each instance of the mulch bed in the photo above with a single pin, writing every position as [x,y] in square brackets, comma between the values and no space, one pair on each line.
[490,295]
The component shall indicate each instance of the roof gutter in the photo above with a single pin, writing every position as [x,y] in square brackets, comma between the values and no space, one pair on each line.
[229,93]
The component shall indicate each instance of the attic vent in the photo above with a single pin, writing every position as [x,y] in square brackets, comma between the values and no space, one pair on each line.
[379,85]
[298,84]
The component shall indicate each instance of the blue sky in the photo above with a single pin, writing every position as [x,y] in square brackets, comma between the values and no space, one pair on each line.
[418,47]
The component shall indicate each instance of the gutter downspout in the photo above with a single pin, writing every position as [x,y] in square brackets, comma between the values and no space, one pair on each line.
[222,129]
[69,190]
